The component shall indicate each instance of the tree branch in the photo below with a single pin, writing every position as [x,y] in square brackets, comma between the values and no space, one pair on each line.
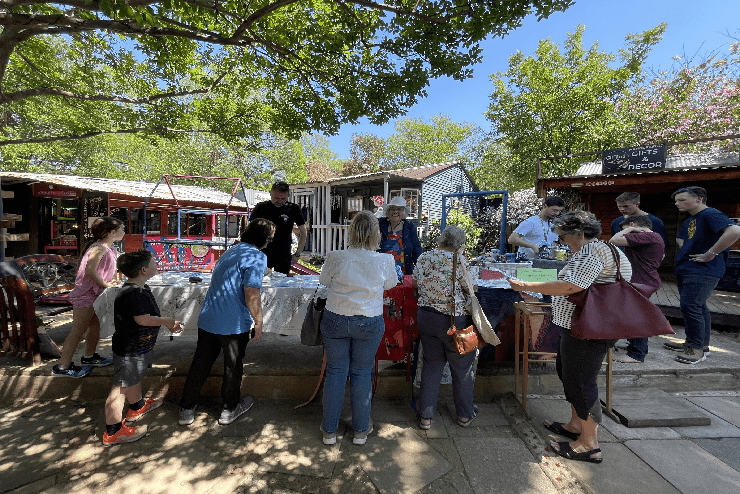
[159,130]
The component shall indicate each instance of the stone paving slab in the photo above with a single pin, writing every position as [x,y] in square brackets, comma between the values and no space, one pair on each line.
[489,415]
[725,407]
[397,460]
[687,466]
[621,472]
[502,465]
[650,407]
[717,428]
[726,449]
[622,433]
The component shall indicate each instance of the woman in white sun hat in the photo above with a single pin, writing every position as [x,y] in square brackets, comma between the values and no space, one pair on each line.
[398,235]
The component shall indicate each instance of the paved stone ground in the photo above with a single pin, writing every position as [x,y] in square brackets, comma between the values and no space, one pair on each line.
[55,447]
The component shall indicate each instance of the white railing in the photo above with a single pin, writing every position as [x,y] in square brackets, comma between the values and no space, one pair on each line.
[327,238]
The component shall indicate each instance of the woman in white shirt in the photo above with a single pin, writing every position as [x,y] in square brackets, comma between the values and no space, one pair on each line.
[579,360]
[352,325]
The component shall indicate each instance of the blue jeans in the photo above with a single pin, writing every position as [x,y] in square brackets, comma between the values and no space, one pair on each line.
[438,349]
[351,343]
[697,320]
[638,348]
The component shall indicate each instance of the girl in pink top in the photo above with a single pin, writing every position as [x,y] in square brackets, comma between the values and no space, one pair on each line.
[95,273]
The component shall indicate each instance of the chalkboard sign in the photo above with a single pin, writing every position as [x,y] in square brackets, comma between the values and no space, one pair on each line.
[630,160]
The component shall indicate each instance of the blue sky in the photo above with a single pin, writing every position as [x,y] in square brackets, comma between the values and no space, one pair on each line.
[693,26]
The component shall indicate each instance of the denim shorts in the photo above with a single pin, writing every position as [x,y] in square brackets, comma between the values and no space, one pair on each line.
[130,370]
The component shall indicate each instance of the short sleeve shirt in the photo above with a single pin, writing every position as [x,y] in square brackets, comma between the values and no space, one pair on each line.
[284,217]
[699,233]
[130,338]
[433,275]
[645,252]
[536,230]
[594,263]
[225,309]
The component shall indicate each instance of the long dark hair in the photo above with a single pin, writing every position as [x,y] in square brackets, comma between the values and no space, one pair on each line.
[101,228]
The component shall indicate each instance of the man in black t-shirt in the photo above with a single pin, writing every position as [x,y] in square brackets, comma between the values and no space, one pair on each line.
[284,214]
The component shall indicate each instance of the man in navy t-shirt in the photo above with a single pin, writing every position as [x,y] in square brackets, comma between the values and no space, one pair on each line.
[703,242]
[628,204]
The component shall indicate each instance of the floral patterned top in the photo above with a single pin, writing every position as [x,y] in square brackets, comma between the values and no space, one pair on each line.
[433,275]
[394,245]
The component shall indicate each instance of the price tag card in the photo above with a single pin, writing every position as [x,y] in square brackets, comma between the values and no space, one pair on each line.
[537,274]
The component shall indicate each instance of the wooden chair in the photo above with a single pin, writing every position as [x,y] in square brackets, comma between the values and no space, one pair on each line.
[523,337]
[18,331]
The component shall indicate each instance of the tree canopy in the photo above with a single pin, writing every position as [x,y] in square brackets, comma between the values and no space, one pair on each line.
[558,103]
[72,69]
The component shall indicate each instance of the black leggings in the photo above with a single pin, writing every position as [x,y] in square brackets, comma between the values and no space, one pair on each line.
[578,365]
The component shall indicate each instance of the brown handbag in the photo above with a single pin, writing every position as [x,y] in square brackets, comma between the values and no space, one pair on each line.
[610,311]
[466,339]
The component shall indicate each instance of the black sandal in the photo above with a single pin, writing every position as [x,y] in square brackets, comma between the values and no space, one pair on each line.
[566,451]
[558,429]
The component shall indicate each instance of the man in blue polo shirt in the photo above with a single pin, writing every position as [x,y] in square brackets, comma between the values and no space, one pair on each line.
[703,242]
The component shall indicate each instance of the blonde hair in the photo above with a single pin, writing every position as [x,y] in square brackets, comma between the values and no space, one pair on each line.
[364,232]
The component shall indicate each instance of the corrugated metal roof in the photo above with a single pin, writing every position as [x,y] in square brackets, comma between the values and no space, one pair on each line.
[684,161]
[416,173]
[131,188]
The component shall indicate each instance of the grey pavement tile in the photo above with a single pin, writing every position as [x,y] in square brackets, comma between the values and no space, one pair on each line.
[726,449]
[393,411]
[622,471]
[687,466]
[725,407]
[455,482]
[294,448]
[623,433]
[489,414]
[651,407]
[486,459]
[717,428]
[398,460]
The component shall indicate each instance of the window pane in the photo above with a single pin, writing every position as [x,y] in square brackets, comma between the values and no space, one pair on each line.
[136,221]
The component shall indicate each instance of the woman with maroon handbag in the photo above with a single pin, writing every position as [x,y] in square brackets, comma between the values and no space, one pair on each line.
[432,278]
[579,360]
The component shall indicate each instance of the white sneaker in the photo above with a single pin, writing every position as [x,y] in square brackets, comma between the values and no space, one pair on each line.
[328,439]
[361,437]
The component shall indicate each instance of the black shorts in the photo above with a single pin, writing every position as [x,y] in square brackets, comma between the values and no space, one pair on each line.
[130,370]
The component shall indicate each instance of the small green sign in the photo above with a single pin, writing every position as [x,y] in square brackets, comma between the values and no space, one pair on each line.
[537,274]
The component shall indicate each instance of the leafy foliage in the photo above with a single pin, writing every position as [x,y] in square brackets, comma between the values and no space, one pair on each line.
[558,103]
[72,70]
[460,219]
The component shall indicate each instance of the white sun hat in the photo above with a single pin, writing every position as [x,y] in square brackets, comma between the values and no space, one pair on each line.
[398,202]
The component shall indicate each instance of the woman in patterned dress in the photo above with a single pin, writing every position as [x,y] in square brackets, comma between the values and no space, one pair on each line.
[578,360]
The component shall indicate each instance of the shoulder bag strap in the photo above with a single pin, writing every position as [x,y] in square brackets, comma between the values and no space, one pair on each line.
[454,277]
[616,259]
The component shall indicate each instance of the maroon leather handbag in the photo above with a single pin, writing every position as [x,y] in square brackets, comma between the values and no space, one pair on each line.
[610,311]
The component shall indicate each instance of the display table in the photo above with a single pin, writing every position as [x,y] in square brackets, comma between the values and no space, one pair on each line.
[284,300]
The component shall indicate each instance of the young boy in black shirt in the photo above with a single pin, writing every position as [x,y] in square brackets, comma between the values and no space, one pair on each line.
[137,320]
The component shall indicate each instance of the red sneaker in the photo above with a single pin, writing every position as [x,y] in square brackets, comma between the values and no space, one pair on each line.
[149,405]
[125,434]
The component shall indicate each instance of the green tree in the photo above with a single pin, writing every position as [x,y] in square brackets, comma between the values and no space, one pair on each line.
[75,69]
[558,103]
[418,143]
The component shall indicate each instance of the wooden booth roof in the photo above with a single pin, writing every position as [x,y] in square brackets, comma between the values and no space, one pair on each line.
[129,188]
[680,169]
